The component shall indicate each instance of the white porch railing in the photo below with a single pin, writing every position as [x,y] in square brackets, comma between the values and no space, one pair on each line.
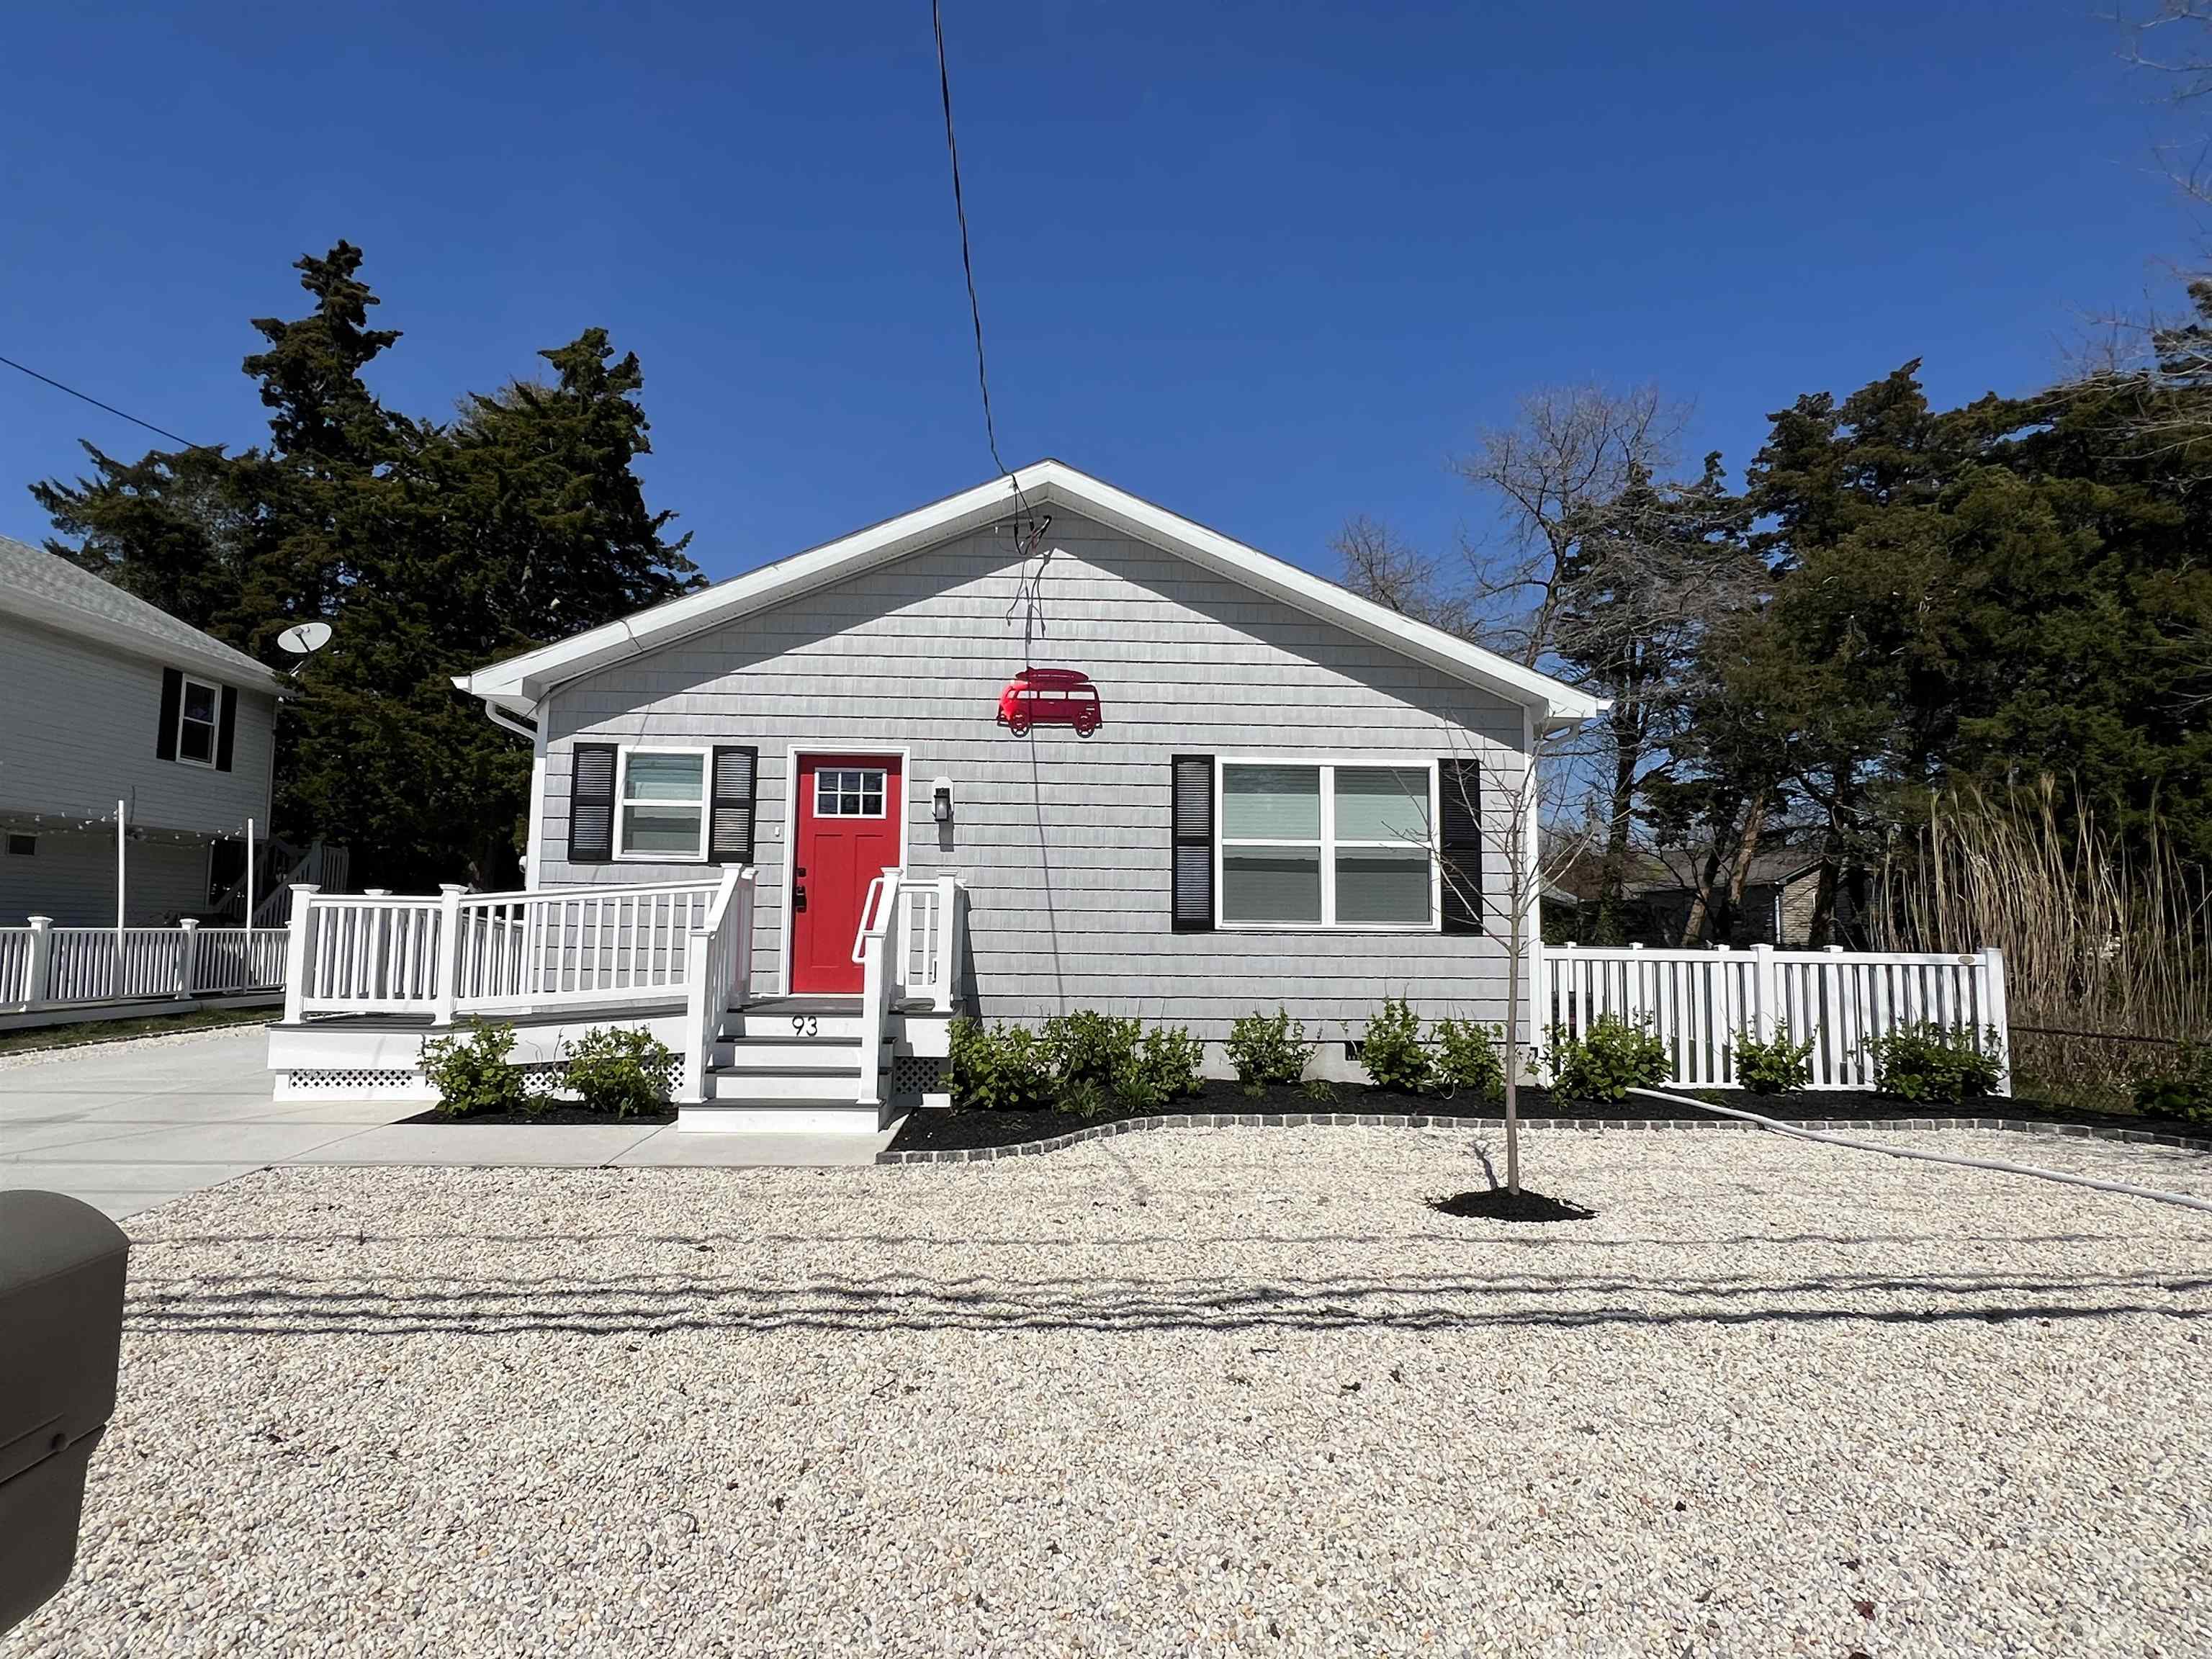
[880,967]
[42,966]
[1699,1002]
[718,971]
[929,927]
[463,953]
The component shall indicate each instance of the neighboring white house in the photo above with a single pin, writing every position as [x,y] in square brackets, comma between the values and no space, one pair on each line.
[109,700]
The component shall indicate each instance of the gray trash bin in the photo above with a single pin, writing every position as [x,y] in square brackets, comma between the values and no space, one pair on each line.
[62,1267]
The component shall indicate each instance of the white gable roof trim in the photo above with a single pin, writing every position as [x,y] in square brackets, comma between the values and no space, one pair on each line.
[518,684]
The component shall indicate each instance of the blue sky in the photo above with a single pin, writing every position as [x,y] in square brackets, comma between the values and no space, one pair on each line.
[1267,264]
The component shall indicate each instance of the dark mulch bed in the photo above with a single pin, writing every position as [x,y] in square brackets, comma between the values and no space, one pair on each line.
[1498,1204]
[551,1115]
[944,1131]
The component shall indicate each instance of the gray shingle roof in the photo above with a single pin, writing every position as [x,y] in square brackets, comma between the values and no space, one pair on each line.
[36,582]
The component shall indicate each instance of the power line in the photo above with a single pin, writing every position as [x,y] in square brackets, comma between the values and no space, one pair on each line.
[967,264]
[164,431]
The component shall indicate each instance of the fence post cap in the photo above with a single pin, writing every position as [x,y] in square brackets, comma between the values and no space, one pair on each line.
[40,922]
[306,887]
[188,923]
[453,887]
[377,892]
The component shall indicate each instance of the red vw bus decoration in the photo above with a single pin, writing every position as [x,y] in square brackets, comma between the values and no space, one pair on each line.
[1050,696]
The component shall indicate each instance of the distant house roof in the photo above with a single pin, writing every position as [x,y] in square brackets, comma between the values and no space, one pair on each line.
[517,684]
[1770,867]
[45,589]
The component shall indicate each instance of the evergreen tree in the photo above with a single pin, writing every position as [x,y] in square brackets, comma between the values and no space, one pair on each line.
[430,549]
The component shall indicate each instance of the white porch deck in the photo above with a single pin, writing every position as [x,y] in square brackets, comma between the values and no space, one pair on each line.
[369,978]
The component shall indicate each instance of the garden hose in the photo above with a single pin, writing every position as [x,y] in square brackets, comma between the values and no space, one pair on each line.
[2183,1200]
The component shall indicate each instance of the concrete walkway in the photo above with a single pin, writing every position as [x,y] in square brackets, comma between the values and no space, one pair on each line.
[127,1126]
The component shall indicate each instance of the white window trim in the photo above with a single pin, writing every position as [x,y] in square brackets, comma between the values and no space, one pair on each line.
[214,723]
[1328,844]
[623,802]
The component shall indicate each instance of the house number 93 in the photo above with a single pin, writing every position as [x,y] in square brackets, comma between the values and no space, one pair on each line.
[805,1026]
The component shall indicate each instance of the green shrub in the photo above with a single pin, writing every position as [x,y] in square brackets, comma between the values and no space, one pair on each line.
[1467,1061]
[1268,1048]
[1393,1052]
[471,1073]
[2180,1086]
[1172,1062]
[1087,1097]
[1930,1062]
[619,1071]
[1319,1089]
[1608,1061]
[1775,1066]
[1003,1068]
[1091,1047]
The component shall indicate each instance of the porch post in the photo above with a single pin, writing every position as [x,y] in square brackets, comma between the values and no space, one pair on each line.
[297,950]
[38,971]
[188,952]
[1994,1013]
[444,994]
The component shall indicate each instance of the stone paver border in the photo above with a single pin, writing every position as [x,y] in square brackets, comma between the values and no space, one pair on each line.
[1424,1120]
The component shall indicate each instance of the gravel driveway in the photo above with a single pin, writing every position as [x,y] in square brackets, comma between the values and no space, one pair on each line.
[1198,1392]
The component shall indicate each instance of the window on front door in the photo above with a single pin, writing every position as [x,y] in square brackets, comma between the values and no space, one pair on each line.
[848,792]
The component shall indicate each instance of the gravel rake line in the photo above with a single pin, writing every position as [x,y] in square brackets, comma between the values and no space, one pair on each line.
[2126,1189]
[1811,1129]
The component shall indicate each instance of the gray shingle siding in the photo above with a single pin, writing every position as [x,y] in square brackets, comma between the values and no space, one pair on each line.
[1063,842]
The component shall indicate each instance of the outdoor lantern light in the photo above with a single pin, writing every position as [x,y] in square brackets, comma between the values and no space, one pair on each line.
[940,801]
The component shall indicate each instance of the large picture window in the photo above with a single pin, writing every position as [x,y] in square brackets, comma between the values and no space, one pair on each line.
[662,804]
[1325,844]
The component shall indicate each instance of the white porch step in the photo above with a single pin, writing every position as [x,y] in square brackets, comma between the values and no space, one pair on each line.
[798,1019]
[788,1117]
[787,1083]
[774,1054]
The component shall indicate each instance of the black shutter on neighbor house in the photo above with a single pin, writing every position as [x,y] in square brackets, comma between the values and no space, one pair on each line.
[173,701]
[1458,843]
[592,803]
[730,812]
[226,732]
[1192,909]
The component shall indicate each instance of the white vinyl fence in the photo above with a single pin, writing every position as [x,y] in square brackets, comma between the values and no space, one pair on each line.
[1699,1002]
[42,966]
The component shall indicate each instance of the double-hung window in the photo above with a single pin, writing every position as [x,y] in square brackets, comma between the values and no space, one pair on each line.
[196,719]
[1326,844]
[661,804]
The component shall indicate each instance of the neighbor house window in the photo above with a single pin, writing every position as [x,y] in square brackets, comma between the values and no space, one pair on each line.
[196,722]
[662,804]
[23,846]
[1325,844]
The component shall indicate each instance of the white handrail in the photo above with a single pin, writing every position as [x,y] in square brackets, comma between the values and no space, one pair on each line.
[718,973]
[867,914]
[878,982]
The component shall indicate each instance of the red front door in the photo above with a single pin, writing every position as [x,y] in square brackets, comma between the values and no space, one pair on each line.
[850,807]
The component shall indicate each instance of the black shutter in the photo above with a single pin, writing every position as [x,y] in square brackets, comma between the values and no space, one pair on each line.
[1458,843]
[1192,909]
[172,700]
[730,810]
[592,803]
[225,733]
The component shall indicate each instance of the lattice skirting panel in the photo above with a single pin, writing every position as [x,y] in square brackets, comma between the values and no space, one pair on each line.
[915,1074]
[341,1085]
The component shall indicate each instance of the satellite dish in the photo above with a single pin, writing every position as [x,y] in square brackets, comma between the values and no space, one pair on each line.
[304,638]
